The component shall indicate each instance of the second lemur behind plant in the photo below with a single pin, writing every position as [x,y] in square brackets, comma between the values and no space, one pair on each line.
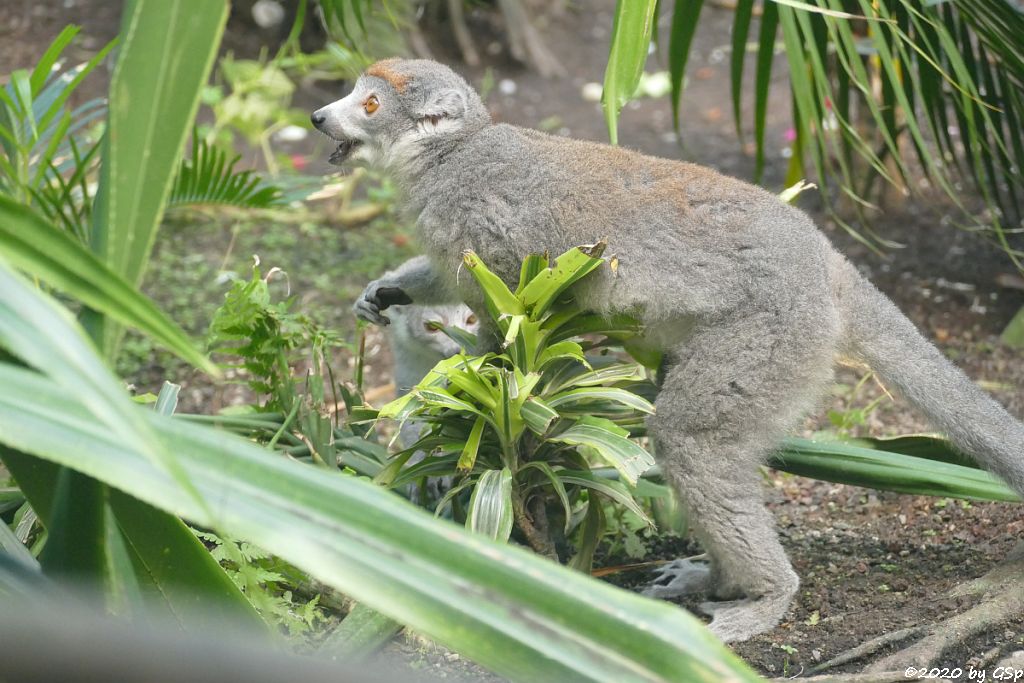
[417,345]
[417,341]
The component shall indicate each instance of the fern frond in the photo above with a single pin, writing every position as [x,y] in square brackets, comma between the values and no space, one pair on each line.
[208,177]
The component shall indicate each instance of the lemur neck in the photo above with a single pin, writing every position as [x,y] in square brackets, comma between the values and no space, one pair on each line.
[418,174]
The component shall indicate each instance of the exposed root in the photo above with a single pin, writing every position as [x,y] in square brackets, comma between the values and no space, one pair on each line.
[988,658]
[1002,599]
[995,610]
[880,677]
[1015,662]
[869,648]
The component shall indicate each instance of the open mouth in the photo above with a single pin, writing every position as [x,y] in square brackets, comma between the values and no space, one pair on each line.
[344,151]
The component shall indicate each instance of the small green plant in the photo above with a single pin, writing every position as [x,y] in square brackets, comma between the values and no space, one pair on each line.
[264,339]
[255,101]
[519,429]
[264,334]
[266,581]
[847,421]
[786,660]
[627,532]
[209,177]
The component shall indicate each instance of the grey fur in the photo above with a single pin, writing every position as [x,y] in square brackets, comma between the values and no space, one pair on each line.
[746,298]
[416,349]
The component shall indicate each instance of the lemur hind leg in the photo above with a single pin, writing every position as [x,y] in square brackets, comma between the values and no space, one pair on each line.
[728,395]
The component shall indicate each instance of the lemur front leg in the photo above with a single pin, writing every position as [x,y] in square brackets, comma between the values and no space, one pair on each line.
[415,281]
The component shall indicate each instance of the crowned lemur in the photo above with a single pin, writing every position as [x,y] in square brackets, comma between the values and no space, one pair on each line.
[748,301]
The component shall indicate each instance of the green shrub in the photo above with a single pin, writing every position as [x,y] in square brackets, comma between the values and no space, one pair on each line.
[519,429]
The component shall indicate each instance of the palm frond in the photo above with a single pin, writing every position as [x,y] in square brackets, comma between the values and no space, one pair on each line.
[877,84]
[45,157]
[209,177]
[67,197]
[369,27]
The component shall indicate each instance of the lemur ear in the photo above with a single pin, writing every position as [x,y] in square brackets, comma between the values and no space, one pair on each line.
[442,105]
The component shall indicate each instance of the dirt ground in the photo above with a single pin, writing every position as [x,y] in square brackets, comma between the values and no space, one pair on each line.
[869,562]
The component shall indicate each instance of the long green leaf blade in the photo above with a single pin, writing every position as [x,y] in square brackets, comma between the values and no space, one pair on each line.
[848,464]
[35,246]
[165,58]
[588,394]
[540,293]
[762,79]
[627,457]
[515,613]
[631,36]
[614,490]
[500,300]
[684,26]
[490,507]
[468,456]
[740,31]
[360,634]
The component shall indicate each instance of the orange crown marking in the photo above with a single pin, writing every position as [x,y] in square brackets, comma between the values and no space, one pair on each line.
[384,69]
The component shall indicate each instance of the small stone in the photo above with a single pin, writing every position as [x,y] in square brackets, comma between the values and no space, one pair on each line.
[267,13]
[591,92]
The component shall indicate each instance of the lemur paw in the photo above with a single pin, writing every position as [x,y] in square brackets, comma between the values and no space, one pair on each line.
[680,577]
[738,620]
[379,295]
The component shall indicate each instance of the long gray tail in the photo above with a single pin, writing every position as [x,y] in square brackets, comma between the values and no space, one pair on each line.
[881,336]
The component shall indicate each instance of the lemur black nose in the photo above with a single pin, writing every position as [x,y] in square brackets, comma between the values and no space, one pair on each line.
[317,118]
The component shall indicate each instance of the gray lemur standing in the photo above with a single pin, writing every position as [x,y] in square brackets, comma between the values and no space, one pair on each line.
[748,301]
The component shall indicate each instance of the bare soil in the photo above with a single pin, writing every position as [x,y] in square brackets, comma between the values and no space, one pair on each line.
[869,562]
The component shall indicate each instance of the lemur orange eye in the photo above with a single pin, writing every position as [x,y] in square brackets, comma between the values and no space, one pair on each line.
[430,326]
[371,104]
[471,320]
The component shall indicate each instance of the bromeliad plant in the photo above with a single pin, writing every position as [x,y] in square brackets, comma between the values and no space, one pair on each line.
[518,429]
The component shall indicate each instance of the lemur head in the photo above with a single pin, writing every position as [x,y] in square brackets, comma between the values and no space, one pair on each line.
[398,109]
[420,326]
